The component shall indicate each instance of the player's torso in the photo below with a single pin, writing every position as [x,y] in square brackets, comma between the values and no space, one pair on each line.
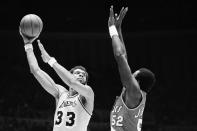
[70,114]
[124,119]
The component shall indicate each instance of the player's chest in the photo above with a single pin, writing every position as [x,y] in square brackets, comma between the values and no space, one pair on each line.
[68,102]
[121,110]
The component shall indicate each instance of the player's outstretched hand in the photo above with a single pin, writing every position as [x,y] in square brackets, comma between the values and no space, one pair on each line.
[111,20]
[120,17]
[27,39]
[45,56]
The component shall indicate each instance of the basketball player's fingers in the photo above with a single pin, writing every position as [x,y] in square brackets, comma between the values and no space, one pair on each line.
[39,44]
[111,12]
[21,33]
[20,30]
[38,41]
[43,51]
[121,11]
[41,47]
[124,12]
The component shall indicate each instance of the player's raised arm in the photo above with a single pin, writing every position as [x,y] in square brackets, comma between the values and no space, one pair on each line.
[66,75]
[118,24]
[43,78]
[128,80]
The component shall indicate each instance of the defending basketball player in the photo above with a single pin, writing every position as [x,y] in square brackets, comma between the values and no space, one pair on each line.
[74,106]
[127,112]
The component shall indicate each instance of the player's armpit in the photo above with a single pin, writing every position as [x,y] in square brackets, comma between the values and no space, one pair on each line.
[133,97]
[61,89]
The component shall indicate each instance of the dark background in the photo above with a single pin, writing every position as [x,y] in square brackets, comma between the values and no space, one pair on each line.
[159,35]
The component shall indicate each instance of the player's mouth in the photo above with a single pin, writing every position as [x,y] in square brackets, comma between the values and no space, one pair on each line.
[80,79]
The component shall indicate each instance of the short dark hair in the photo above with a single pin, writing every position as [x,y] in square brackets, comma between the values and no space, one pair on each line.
[146,79]
[82,68]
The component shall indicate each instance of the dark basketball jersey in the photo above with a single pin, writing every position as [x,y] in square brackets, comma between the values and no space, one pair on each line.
[124,119]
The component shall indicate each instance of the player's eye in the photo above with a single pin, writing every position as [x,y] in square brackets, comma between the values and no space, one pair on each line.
[76,72]
[84,74]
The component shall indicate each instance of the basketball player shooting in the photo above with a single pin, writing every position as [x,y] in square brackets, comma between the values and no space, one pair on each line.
[127,112]
[74,106]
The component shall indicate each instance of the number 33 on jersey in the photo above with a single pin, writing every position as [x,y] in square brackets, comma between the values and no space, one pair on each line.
[68,116]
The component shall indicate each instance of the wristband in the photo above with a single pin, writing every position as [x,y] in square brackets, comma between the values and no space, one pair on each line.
[113,31]
[28,46]
[52,61]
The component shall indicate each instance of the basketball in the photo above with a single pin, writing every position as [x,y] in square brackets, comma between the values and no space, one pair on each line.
[31,25]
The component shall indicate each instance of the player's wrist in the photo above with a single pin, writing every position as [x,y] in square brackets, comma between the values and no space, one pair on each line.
[52,61]
[113,31]
[28,46]
[27,42]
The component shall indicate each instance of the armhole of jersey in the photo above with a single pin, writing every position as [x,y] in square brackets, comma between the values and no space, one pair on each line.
[141,102]
[60,91]
[79,98]
[117,97]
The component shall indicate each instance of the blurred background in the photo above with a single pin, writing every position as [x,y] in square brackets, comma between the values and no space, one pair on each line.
[159,35]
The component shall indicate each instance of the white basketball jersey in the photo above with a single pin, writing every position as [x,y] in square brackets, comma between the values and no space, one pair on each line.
[70,114]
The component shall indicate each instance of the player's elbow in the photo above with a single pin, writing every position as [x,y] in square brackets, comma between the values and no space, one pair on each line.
[119,53]
[72,81]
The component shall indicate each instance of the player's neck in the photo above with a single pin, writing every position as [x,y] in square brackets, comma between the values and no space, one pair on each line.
[72,93]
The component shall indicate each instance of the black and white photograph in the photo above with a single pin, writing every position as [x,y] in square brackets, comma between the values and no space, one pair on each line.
[98,65]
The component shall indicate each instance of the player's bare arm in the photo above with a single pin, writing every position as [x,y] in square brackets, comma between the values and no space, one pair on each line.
[43,78]
[66,76]
[118,23]
[133,94]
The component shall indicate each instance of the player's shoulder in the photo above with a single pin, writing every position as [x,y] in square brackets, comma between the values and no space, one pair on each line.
[88,86]
[90,89]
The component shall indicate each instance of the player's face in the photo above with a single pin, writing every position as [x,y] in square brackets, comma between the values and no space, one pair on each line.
[80,75]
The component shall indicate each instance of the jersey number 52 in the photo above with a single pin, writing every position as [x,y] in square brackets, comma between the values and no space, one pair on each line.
[70,121]
[116,120]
